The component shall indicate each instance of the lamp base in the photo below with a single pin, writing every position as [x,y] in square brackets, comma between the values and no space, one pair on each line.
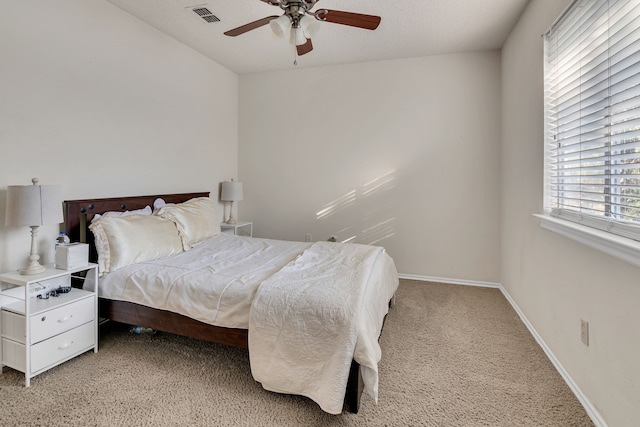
[231,219]
[33,268]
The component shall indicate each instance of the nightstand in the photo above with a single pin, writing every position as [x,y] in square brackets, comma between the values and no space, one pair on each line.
[241,228]
[37,334]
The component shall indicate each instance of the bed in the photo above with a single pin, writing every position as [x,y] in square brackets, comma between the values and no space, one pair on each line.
[295,270]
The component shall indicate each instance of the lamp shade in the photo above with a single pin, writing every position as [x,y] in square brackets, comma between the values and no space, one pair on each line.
[31,205]
[231,191]
[310,26]
[280,25]
[297,37]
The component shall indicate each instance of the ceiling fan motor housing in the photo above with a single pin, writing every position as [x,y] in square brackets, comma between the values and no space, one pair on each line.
[296,9]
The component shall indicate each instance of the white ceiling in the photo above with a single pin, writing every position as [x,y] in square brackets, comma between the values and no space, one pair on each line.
[409,28]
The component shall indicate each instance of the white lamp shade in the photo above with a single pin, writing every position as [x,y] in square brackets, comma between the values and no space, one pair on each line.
[310,26]
[280,25]
[297,37]
[30,205]
[231,191]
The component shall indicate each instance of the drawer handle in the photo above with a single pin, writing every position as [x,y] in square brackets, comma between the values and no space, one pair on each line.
[65,345]
[65,318]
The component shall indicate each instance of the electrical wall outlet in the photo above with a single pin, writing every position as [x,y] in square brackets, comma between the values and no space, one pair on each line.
[584,332]
[307,237]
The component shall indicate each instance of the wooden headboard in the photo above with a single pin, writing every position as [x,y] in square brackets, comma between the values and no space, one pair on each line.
[79,213]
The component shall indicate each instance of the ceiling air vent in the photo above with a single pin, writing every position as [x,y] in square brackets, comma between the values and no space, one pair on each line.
[203,13]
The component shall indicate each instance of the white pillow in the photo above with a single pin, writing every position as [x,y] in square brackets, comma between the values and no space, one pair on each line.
[144,211]
[196,220]
[121,241]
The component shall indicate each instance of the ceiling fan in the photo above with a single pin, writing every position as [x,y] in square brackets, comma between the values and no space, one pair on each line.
[300,19]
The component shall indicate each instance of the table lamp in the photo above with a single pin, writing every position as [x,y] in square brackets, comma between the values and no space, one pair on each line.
[231,192]
[33,206]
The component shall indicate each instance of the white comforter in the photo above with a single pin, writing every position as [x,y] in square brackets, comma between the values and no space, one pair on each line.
[307,318]
[214,282]
[241,282]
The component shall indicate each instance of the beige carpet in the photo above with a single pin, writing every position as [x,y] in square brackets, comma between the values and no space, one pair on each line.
[452,356]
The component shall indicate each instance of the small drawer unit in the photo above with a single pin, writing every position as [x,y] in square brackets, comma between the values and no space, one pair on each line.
[42,325]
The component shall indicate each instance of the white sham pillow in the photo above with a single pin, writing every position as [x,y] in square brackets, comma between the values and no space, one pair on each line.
[144,211]
[122,241]
[196,220]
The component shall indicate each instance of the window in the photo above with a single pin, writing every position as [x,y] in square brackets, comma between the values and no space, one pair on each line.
[592,116]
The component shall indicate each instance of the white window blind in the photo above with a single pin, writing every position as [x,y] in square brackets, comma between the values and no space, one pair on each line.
[592,116]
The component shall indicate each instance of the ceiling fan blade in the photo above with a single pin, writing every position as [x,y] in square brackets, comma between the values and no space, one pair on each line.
[305,48]
[368,22]
[250,26]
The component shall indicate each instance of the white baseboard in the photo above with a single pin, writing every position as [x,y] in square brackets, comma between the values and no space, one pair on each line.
[591,410]
[451,281]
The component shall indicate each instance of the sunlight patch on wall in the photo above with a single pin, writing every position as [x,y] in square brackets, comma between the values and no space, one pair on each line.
[337,205]
[378,232]
[360,213]
[384,182]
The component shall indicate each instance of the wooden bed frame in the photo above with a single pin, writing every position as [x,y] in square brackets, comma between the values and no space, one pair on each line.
[78,215]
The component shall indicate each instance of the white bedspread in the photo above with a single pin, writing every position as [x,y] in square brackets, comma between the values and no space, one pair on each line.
[215,282]
[307,319]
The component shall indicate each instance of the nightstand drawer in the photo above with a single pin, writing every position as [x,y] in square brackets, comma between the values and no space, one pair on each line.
[61,319]
[13,354]
[13,326]
[62,347]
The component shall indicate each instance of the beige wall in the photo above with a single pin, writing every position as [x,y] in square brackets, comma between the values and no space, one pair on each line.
[103,105]
[404,154]
[556,281]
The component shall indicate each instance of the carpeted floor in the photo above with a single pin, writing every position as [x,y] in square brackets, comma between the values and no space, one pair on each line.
[452,356]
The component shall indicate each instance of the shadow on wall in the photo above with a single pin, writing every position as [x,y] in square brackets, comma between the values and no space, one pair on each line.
[366,209]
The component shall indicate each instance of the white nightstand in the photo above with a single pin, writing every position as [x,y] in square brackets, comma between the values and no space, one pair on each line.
[38,334]
[241,228]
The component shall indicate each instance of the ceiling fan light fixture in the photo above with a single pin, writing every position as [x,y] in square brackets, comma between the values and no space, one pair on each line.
[310,26]
[280,25]
[297,37]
